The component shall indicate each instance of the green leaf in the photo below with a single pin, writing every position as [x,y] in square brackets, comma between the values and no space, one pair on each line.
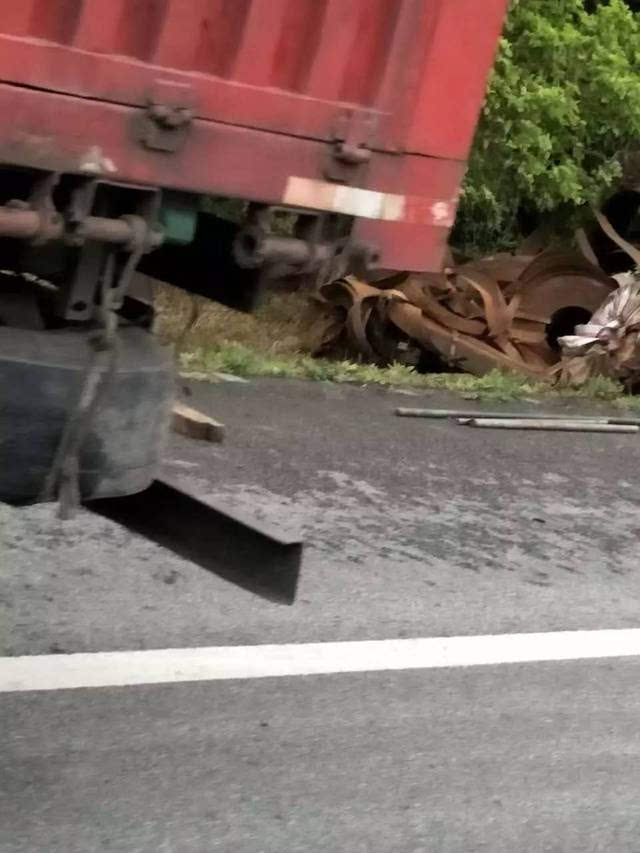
[562,103]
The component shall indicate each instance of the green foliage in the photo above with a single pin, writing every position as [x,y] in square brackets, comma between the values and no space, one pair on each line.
[235,210]
[244,360]
[270,343]
[563,103]
[231,209]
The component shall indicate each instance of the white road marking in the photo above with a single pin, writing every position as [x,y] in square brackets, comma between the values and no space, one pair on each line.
[167,666]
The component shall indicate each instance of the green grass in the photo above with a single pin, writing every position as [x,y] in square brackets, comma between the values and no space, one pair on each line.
[242,360]
[212,339]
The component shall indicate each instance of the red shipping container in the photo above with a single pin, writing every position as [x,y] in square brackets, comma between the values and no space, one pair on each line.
[361,107]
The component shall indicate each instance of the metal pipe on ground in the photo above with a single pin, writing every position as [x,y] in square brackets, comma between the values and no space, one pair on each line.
[549,424]
[437,414]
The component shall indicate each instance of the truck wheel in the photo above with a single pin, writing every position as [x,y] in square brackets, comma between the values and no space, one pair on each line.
[41,373]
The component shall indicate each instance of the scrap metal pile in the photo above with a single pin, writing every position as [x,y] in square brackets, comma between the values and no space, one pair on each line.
[505,312]
[609,344]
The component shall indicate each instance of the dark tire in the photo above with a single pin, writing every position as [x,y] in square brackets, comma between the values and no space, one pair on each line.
[41,374]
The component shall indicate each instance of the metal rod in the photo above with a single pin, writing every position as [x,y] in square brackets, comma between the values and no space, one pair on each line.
[460,413]
[252,249]
[19,223]
[105,230]
[29,224]
[549,424]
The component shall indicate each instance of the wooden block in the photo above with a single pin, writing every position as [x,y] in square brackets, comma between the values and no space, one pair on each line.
[194,424]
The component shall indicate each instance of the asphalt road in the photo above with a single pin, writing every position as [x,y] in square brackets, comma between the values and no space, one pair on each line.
[415,529]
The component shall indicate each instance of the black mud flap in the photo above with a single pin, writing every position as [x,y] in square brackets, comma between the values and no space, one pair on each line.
[241,550]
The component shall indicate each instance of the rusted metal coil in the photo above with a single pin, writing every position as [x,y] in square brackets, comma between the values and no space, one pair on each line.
[492,313]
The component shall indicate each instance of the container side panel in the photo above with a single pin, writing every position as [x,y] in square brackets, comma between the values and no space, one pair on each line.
[139,27]
[409,32]
[299,38]
[367,59]
[404,69]
[180,31]
[202,35]
[120,27]
[220,36]
[255,58]
[337,37]
[98,26]
[16,16]
[55,20]
[458,60]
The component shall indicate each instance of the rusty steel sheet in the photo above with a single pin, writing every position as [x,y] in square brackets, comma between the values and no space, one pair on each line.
[497,312]
[557,280]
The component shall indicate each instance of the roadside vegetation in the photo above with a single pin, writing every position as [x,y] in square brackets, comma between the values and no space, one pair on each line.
[563,105]
[211,339]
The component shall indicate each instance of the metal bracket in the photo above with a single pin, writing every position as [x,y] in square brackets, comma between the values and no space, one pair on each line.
[352,135]
[96,258]
[165,123]
[79,209]
[41,200]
